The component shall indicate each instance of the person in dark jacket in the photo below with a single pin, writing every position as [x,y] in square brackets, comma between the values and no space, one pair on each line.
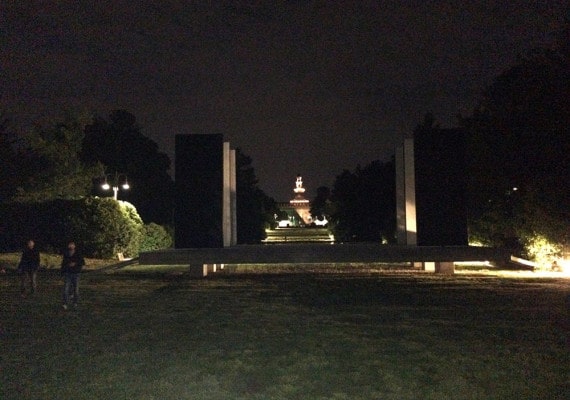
[28,267]
[71,266]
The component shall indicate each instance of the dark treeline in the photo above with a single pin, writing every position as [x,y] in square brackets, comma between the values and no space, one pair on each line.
[255,210]
[361,205]
[517,167]
[519,155]
[120,146]
[70,159]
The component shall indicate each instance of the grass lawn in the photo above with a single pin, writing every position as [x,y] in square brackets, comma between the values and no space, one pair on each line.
[140,333]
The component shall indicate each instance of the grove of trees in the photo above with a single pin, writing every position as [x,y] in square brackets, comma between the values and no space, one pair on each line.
[63,164]
[120,146]
[51,173]
[520,154]
[518,166]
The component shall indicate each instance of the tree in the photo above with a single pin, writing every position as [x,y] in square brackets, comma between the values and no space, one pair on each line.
[519,146]
[363,203]
[321,205]
[119,144]
[255,210]
[8,160]
[51,166]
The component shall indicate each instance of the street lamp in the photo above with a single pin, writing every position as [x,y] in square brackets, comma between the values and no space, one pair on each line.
[119,179]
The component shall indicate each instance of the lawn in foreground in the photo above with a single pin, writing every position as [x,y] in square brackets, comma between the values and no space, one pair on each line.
[286,336]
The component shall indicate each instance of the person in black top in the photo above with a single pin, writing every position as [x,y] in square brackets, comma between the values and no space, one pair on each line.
[28,267]
[71,266]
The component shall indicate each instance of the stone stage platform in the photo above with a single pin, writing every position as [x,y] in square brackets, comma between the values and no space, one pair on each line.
[436,258]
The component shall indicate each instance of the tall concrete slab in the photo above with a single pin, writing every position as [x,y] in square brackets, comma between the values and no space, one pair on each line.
[430,189]
[410,187]
[226,197]
[205,192]
[405,194]
[199,182]
[233,197]
[440,184]
[400,197]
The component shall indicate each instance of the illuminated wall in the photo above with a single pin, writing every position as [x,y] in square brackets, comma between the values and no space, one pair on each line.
[406,225]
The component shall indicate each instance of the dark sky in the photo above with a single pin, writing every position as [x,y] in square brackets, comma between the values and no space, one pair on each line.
[301,86]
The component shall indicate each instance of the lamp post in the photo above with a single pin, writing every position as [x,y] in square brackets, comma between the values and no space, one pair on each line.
[118,178]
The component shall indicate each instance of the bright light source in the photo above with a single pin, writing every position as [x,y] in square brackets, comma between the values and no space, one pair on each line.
[319,222]
[115,183]
[542,250]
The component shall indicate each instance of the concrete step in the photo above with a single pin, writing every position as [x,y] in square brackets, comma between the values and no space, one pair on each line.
[286,235]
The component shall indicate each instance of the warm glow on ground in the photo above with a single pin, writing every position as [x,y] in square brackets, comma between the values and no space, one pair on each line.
[517,274]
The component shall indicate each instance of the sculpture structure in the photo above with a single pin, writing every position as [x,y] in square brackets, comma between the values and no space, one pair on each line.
[205,192]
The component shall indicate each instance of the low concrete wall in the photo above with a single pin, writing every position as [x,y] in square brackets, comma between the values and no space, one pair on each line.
[323,253]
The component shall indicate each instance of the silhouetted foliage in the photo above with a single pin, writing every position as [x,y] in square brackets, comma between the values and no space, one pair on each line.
[119,144]
[320,206]
[364,203]
[9,161]
[255,210]
[519,146]
[50,164]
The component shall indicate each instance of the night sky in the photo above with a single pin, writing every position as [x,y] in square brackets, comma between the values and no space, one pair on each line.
[301,86]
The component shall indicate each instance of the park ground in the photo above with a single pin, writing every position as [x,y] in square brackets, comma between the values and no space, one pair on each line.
[155,333]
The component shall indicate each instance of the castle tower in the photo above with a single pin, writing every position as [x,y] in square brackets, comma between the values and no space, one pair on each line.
[299,203]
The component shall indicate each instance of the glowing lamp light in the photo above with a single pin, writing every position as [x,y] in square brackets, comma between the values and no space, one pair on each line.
[117,178]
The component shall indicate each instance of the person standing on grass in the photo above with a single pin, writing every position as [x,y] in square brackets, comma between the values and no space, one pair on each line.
[71,266]
[28,267]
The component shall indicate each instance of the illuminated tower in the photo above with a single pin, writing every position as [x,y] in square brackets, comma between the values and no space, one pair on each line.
[299,203]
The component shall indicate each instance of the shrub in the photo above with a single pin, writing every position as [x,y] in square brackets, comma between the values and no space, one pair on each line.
[106,227]
[155,237]
[541,250]
[102,227]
